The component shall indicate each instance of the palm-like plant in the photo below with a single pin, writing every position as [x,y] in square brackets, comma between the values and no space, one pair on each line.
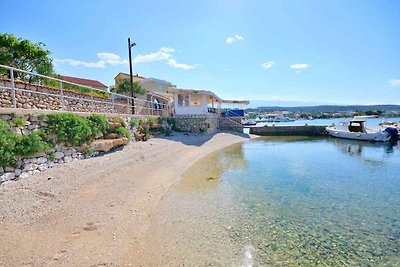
[124,86]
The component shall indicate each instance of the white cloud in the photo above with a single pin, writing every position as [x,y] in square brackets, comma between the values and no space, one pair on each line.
[229,40]
[105,59]
[394,82]
[299,66]
[239,37]
[172,62]
[164,53]
[267,65]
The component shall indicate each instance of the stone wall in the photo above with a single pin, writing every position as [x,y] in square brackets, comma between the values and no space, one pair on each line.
[206,123]
[33,98]
[52,156]
[231,124]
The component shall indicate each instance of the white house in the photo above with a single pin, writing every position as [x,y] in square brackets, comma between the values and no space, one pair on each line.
[196,102]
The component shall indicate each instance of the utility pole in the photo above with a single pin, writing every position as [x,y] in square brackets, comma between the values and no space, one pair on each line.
[130,45]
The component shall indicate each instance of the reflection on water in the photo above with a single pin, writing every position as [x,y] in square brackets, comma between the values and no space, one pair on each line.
[284,201]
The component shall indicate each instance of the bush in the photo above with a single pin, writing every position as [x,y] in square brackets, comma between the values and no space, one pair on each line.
[19,122]
[12,145]
[7,144]
[28,145]
[99,125]
[152,121]
[69,128]
[122,131]
[134,122]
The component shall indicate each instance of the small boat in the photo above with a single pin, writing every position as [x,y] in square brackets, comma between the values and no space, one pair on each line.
[356,129]
[249,123]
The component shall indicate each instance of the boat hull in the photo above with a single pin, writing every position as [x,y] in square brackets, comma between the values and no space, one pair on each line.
[375,137]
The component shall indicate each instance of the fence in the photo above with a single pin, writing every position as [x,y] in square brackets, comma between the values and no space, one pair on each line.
[68,96]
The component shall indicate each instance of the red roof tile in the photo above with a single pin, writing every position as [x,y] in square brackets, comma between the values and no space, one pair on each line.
[87,82]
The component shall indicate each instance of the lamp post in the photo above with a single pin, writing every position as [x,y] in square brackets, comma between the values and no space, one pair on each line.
[130,45]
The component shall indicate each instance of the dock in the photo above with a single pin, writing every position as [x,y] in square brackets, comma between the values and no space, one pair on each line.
[307,130]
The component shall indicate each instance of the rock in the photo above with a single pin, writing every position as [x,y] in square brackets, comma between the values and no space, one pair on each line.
[29,167]
[43,167]
[7,176]
[74,155]
[9,169]
[111,136]
[18,163]
[108,144]
[31,127]
[1,170]
[17,172]
[23,175]
[67,159]
[6,117]
[58,155]
[68,152]
[41,160]
[36,171]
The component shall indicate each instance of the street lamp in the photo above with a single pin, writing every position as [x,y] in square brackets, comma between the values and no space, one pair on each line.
[130,45]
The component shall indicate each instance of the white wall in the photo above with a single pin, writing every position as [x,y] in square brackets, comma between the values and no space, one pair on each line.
[191,109]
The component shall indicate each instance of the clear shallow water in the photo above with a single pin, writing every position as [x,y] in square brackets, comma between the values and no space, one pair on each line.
[285,201]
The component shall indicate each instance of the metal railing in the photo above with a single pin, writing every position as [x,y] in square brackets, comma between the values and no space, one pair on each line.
[18,92]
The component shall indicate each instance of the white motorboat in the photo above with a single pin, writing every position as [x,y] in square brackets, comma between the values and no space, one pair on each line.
[356,129]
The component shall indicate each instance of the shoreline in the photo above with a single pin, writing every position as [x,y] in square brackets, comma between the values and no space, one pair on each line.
[101,213]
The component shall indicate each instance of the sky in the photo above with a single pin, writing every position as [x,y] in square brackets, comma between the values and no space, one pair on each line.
[270,52]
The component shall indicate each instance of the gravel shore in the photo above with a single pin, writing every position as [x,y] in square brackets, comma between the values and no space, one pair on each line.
[93,212]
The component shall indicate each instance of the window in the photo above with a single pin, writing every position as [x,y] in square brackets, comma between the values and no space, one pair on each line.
[183,100]
[196,100]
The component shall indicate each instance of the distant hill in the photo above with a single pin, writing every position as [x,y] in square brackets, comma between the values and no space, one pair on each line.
[330,108]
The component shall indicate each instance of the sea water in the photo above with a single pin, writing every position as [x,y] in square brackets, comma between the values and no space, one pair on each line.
[285,201]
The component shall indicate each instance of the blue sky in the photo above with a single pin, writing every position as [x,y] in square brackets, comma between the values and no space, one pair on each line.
[271,52]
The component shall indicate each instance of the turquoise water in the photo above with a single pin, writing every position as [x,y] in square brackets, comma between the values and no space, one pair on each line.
[286,201]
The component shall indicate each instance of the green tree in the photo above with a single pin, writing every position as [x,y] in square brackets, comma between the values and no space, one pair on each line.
[23,54]
[124,86]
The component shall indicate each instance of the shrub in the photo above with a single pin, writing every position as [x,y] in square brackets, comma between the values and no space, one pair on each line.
[28,145]
[99,125]
[152,121]
[7,144]
[19,122]
[69,128]
[122,131]
[134,122]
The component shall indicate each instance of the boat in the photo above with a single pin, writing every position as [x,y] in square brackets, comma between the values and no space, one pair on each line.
[249,123]
[356,129]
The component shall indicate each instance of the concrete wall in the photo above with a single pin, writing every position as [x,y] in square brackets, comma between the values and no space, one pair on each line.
[310,130]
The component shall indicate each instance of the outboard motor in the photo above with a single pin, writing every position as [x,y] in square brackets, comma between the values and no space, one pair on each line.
[394,135]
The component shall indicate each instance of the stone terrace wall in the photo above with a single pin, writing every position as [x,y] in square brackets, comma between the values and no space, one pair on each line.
[52,156]
[35,100]
[197,123]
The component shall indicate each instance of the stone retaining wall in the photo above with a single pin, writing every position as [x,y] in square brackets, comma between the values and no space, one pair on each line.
[207,123]
[73,101]
[231,124]
[204,123]
[52,156]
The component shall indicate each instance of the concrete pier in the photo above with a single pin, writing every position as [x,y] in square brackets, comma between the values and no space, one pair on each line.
[309,130]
